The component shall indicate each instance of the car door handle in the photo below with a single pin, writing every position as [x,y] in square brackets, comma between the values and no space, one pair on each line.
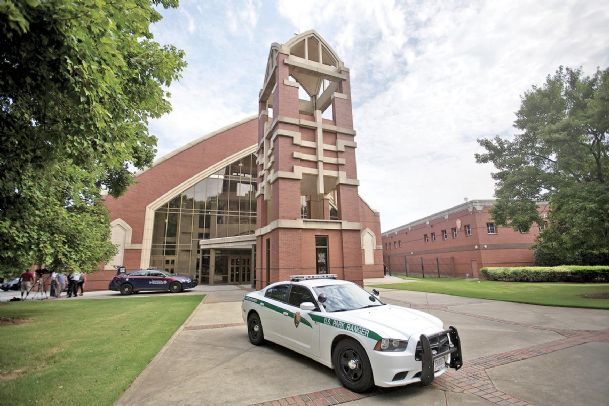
[285,313]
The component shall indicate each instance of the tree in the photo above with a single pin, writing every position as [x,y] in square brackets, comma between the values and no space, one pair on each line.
[78,83]
[560,156]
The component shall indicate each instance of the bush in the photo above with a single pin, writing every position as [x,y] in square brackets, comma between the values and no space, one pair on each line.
[563,273]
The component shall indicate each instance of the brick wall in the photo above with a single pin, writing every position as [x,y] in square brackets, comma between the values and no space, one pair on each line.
[405,249]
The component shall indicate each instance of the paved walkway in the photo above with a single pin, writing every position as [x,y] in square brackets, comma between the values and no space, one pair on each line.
[515,354]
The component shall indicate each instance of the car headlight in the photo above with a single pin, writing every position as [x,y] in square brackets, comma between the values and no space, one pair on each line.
[391,345]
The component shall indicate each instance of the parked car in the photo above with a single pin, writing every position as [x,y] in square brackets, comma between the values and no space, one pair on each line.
[150,280]
[11,284]
[344,327]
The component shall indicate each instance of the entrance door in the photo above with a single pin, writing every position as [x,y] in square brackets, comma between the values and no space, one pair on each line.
[475,269]
[239,270]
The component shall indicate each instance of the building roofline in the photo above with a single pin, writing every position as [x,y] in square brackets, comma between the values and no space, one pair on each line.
[195,142]
[441,214]
[370,207]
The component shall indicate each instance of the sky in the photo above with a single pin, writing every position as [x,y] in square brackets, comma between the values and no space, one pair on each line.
[428,78]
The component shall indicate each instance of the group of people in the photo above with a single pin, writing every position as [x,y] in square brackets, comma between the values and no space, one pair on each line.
[75,282]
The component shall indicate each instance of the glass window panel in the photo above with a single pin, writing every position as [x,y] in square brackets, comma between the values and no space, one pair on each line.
[224,205]
[157,262]
[200,195]
[214,188]
[185,228]
[158,232]
[172,225]
[175,202]
[170,249]
[253,203]
[188,199]
[183,262]
[244,188]
[249,168]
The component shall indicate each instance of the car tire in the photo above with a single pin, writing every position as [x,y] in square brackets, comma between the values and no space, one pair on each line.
[175,287]
[126,289]
[254,329]
[352,366]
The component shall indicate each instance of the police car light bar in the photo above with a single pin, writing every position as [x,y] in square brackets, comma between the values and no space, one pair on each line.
[298,278]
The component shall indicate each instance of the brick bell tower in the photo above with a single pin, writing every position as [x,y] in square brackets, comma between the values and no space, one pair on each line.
[308,220]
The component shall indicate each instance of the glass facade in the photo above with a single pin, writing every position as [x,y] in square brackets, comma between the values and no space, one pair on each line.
[221,205]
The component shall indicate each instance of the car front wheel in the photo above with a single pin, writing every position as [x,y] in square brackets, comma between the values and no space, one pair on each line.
[254,329]
[175,287]
[126,289]
[352,366]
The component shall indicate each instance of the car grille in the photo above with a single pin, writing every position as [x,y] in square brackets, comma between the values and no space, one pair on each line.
[438,342]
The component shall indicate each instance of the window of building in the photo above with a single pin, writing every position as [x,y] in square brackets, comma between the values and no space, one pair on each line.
[221,205]
[395,244]
[490,228]
[468,230]
[399,243]
[321,254]
[543,225]
[444,235]
[305,211]
[433,236]
[425,238]
[454,232]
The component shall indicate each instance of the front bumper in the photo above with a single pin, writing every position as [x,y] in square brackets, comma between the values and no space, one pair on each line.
[189,285]
[416,364]
[428,356]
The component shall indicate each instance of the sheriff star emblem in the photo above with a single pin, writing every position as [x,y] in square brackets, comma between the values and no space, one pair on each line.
[297,319]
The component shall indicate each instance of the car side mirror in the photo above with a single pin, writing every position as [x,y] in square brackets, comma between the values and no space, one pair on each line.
[307,306]
[376,293]
[322,298]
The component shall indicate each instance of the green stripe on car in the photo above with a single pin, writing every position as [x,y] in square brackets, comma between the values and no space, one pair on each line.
[342,325]
[278,309]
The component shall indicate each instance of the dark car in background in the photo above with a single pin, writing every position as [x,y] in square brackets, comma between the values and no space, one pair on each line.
[151,280]
[11,284]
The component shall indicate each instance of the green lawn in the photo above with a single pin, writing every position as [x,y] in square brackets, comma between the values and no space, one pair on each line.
[551,294]
[82,352]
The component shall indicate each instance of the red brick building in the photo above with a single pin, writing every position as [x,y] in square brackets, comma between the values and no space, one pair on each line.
[279,190]
[457,242]
[308,202]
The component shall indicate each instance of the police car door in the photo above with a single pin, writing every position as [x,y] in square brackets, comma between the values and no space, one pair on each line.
[157,281]
[274,310]
[298,328]
[139,279]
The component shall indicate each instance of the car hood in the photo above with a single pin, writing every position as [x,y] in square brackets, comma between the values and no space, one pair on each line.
[390,321]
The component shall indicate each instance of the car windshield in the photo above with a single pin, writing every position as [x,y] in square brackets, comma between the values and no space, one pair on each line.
[343,297]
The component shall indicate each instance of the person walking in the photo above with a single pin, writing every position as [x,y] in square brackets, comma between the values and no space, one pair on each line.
[61,284]
[72,283]
[27,279]
[53,284]
[81,283]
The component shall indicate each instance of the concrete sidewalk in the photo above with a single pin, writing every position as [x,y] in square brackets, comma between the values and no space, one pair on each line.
[221,292]
[515,354]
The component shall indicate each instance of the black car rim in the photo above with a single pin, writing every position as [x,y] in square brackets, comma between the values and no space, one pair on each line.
[350,365]
[254,329]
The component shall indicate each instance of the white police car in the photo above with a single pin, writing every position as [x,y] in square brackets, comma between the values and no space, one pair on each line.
[344,327]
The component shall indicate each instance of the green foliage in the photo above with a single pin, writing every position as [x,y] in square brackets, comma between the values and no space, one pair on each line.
[78,83]
[571,273]
[560,156]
